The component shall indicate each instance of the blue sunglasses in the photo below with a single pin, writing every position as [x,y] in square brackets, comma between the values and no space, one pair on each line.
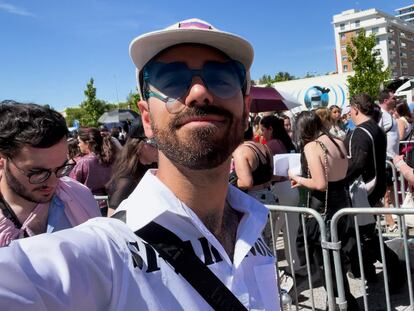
[172,80]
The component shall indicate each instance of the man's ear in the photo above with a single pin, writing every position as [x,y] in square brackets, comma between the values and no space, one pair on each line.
[247,101]
[146,119]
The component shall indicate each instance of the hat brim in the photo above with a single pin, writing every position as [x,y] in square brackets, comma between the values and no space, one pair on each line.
[143,48]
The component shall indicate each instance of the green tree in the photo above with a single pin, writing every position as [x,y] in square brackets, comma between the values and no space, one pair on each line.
[266,79]
[369,75]
[92,107]
[73,114]
[131,102]
[283,76]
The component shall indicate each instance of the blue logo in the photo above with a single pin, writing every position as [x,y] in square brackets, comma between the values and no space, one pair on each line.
[316,97]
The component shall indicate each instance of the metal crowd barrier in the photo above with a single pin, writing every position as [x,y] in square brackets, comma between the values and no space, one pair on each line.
[306,212]
[100,198]
[334,245]
[337,257]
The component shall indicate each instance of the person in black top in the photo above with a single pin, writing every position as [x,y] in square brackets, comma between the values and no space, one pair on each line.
[361,149]
[364,112]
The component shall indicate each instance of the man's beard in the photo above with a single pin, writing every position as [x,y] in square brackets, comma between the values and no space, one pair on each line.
[202,150]
[20,190]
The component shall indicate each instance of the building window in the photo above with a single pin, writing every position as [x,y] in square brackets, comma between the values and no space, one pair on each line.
[342,26]
[357,23]
[375,30]
[345,67]
[343,36]
[377,40]
[345,58]
[343,48]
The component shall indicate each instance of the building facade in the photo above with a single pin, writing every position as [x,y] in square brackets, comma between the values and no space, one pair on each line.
[406,13]
[395,39]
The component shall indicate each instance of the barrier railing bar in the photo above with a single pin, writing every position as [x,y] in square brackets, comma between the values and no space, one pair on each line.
[384,264]
[325,252]
[371,211]
[407,262]
[291,261]
[361,264]
[308,267]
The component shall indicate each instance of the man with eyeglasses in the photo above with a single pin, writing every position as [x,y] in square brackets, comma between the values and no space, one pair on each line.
[35,195]
[191,241]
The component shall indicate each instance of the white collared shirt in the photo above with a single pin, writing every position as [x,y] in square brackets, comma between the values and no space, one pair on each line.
[103,265]
[390,127]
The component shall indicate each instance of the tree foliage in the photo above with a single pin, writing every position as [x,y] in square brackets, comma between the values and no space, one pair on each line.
[131,102]
[369,75]
[73,114]
[279,77]
[93,108]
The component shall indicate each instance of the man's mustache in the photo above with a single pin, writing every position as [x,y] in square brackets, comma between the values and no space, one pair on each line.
[199,112]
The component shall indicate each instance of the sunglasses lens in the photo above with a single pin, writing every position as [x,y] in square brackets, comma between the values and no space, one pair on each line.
[224,79]
[171,79]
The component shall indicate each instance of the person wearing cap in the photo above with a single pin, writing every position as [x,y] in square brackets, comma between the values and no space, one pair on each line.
[137,156]
[191,241]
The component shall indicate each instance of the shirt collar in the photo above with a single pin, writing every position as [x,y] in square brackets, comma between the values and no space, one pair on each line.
[151,198]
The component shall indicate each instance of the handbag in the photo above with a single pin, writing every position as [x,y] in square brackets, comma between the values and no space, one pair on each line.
[359,190]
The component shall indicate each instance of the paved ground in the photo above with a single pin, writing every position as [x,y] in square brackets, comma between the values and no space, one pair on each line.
[375,293]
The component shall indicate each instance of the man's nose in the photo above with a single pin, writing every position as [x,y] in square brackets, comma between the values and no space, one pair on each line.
[198,94]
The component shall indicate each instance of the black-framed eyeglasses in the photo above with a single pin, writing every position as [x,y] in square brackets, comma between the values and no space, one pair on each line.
[37,176]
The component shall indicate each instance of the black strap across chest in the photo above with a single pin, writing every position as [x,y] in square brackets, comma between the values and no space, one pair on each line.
[185,262]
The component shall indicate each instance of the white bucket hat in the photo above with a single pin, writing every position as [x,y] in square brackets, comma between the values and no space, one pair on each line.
[143,48]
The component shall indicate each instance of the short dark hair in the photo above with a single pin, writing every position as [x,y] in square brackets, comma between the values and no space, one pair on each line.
[29,125]
[364,103]
[384,94]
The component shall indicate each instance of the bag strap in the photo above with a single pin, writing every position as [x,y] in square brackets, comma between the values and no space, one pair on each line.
[261,157]
[373,147]
[185,262]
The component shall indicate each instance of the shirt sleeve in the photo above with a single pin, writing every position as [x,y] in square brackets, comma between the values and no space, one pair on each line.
[69,270]
[386,122]
[358,152]
[79,172]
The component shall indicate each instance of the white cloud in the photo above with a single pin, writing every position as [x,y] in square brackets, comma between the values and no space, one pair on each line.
[12,9]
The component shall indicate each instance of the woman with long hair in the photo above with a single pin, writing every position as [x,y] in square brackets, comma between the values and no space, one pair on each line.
[94,168]
[277,139]
[337,127]
[137,156]
[404,119]
[324,168]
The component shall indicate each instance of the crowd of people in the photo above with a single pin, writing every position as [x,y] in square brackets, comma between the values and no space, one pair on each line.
[166,182]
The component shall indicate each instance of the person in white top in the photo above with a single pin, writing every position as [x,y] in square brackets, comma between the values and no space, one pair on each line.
[390,126]
[404,119]
[194,83]
[387,123]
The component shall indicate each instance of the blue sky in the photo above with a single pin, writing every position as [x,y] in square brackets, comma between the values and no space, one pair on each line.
[49,49]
